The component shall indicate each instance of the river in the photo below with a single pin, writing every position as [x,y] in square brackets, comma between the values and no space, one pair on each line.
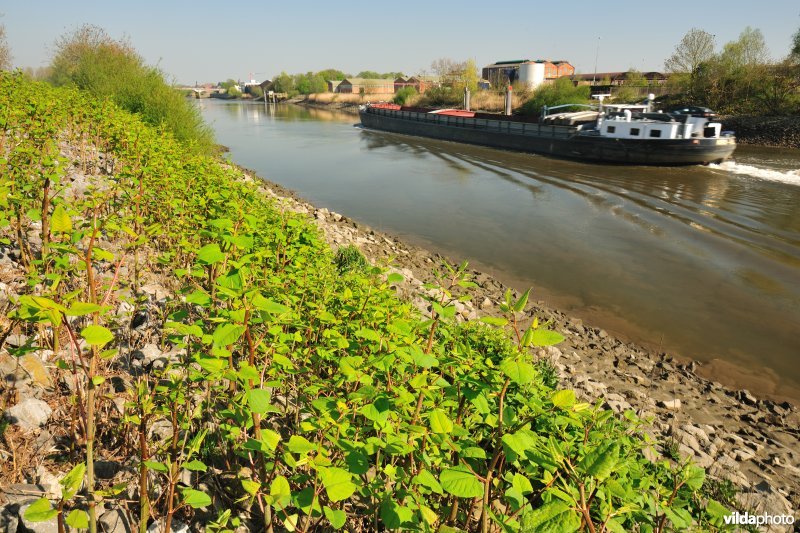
[702,262]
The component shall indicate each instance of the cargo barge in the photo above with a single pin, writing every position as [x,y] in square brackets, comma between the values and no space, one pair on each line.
[617,134]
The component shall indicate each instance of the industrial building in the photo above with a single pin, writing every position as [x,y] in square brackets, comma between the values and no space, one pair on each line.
[532,73]
[366,86]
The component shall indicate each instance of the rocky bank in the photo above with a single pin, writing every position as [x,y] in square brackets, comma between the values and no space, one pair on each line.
[780,132]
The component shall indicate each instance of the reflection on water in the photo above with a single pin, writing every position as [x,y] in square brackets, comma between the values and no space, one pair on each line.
[704,261]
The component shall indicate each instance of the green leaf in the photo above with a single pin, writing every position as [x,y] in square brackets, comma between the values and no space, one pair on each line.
[196,499]
[518,371]
[83,308]
[280,492]
[553,517]
[299,444]
[520,304]
[357,463]
[270,438]
[394,515]
[680,518]
[546,337]
[336,517]
[394,278]
[338,483]
[210,254]
[40,511]
[460,482]
[195,466]
[440,422]
[227,334]
[212,365]
[259,400]
[60,221]
[600,462]
[102,255]
[426,479]
[198,298]
[494,320]
[251,487]
[97,335]
[72,481]
[564,399]
[78,519]
[157,466]
[269,306]
[694,477]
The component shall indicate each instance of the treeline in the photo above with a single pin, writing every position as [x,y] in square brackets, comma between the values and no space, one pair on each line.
[740,78]
[317,82]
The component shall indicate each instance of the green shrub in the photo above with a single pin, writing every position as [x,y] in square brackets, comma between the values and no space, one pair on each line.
[562,91]
[91,60]
[403,95]
[350,258]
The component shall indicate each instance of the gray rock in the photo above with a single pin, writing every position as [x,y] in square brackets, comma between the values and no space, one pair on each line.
[175,527]
[30,414]
[106,469]
[9,517]
[114,521]
[22,492]
[672,405]
[743,455]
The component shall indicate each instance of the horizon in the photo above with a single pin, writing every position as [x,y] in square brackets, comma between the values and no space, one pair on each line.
[199,42]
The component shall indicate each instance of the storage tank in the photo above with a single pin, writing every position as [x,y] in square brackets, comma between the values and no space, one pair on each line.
[531,74]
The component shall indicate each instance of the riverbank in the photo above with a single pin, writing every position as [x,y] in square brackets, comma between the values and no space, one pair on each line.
[751,441]
[778,132]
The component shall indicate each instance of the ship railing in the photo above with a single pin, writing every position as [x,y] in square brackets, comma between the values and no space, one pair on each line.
[532,129]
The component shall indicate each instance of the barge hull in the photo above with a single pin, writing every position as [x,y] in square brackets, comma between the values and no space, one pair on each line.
[557,141]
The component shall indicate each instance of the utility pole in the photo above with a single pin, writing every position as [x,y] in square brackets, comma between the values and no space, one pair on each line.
[596,55]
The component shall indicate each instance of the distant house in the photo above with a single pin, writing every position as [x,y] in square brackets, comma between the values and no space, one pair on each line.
[423,83]
[400,83]
[530,72]
[366,86]
[333,85]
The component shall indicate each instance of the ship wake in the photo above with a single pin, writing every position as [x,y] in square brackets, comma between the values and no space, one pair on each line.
[791,176]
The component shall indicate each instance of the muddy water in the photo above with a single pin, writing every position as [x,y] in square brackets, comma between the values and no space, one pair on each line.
[703,262]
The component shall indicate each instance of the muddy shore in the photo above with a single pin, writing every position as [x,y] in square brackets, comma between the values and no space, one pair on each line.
[752,441]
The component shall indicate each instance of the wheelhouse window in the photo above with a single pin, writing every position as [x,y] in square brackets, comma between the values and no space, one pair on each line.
[655,133]
[612,129]
[635,131]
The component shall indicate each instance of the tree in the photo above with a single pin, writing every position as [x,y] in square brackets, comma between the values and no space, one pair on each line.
[748,50]
[368,74]
[283,83]
[696,47]
[794,54]
[332,74]
[5,51]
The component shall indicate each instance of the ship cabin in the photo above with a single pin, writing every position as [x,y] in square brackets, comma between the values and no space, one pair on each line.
[636,122]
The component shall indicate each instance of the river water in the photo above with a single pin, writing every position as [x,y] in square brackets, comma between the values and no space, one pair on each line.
[702,262]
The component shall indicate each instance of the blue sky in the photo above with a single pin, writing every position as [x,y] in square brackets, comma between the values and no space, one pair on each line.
[212,41]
